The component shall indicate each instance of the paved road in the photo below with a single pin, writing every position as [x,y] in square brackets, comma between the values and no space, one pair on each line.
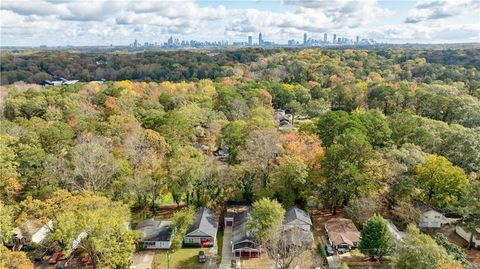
[142,259]
[226,249]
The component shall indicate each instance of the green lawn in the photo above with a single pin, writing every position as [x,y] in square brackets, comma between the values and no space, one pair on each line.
[219,246]
[185,258]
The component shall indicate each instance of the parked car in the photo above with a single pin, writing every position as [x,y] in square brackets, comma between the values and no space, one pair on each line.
[206,244]
[55,257]
[329,250]
[201,257]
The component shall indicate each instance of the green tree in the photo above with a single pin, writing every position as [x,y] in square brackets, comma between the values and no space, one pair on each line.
[6,218]
[375,239]
[420,251]
[182,219]
[265,214]
[346,169]
[291,176]
[441,182]
[455,251]
[100,223]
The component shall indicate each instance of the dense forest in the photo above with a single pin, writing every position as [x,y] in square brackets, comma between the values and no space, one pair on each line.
[384,129]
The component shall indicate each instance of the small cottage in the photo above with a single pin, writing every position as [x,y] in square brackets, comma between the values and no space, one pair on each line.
[203,231]
[156,234]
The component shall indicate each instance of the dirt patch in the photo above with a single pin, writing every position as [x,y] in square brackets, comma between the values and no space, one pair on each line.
[473,255]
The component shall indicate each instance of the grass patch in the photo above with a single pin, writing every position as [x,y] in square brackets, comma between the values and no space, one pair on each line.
[185,258]
[219,246]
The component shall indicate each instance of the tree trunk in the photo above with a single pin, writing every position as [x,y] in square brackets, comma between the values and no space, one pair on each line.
[470,242]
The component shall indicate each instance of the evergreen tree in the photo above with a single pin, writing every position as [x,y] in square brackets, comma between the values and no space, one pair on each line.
[375,238]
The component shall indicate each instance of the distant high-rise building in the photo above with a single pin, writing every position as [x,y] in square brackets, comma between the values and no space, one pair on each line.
[260,39]
[170,41]
[358,39]
[305,39]
[135,43]
[334,38]
[325,38]
[250,41]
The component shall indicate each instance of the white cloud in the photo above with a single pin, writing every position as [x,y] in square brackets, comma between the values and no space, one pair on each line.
[441,9]
[88,22]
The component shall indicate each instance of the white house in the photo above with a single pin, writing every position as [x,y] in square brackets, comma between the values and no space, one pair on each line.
[467,235]
[203,231]
[31,231]
[156,234]
[430,217]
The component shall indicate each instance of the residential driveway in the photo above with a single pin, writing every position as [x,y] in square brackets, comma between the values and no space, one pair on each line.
[226,249]
[142,259]
[333,261]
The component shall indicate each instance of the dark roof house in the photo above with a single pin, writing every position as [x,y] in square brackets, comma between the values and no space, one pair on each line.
[156,234]
[242,240]
[295,214]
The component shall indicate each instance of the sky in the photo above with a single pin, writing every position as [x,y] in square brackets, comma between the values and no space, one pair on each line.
[120,22]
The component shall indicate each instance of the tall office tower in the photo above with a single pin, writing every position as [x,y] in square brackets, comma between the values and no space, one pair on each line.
[358,39]
[135,43]
[260,40]
[325,38]
[334,38]
[250,41]
[305,39]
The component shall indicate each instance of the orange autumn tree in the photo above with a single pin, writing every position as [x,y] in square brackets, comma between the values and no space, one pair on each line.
[307,147]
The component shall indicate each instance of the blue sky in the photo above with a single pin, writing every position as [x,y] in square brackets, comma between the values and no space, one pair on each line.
[119,22]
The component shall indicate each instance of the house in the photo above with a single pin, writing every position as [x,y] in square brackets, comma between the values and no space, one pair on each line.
[342,234]
[242,241]
[397,234]
[156,234]
[58,81]
[465,234]
[297,218]
[429,217]
[31,231]
[297,227]
[203,231]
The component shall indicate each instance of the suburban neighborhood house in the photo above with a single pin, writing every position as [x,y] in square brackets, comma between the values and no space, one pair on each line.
[203,231]
[30,231]
[429,217]
[242,241]
[297,227]
[342,234]
[463,233]
[156,234]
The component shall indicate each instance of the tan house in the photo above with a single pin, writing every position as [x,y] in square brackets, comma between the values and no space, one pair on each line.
[342,234]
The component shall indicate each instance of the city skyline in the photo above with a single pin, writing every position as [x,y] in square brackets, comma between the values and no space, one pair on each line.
[105,22]
[308,41]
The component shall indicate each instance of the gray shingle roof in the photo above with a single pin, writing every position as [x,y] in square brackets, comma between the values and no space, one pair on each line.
[155,230]
[241,237]
[239,229]
[205,222]
[297,214]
